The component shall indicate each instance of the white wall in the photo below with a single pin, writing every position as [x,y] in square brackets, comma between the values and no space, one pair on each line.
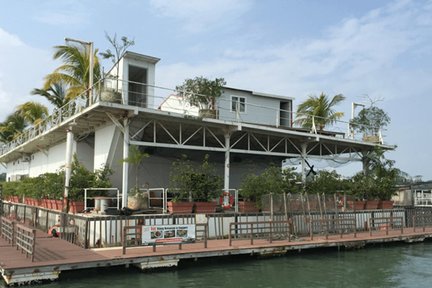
[259,109]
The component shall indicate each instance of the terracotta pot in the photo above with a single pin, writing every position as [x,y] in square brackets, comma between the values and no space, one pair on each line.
[385,204]
[204,207]
[179,207]
[356,205]
[372,204]
[76,206]
[247,207]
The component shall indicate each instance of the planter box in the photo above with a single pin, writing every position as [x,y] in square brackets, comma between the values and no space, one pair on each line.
[76,206]
[247,207]
[204,207]
[372,204]
[385,204]
[179,207]
[356,205]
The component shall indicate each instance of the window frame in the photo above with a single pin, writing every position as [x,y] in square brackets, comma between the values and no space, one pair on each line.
[239,98]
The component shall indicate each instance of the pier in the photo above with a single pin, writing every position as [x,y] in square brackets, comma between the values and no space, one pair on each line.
[52,255]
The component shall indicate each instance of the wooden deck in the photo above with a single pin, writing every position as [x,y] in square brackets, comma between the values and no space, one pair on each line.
[54,255]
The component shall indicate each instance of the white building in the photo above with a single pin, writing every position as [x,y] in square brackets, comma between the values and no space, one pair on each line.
[250,131]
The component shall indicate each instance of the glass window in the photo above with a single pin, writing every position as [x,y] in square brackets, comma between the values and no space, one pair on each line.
[238,103]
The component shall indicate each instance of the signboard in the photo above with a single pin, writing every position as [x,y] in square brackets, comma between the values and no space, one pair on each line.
[168,234]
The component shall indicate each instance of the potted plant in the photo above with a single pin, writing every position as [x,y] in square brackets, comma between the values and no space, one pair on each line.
[198,186]
[271,180]
[202,93]
[111,94]
[370,121]
[137,199]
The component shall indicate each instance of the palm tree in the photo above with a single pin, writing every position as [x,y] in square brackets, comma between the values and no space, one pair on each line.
[12,126]
[32,112]
[55,94]
[75,70]
[318,110]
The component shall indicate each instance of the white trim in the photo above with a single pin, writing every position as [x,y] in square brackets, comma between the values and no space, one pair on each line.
[238,97]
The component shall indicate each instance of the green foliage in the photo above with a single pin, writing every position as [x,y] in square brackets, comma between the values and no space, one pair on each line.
[328,182]
[370,120]
[13,125]
[200,182]
[120,49]
[83,178]
[201,92]
[55,94]
[379,180]
[51,185]
[74,70]
[272,180]
[135,157]
[319,110]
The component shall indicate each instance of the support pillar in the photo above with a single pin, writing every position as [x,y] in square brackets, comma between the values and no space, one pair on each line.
[125,178]
[303,162]
[68,167]
[227,161]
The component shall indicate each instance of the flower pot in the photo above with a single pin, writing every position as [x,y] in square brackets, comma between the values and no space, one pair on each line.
[371,204]
[138,203]
[76,206]
[110,95]
[179,207]
[207,113]
[204,207]
[58,205]
[247,207]
[385,204]
[356,205]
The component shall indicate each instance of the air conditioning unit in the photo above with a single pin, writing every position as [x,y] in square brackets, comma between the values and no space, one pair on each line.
[26,159]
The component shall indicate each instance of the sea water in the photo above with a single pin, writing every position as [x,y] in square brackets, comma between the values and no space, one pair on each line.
[402,265]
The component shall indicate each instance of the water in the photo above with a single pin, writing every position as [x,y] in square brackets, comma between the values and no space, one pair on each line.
[379,266]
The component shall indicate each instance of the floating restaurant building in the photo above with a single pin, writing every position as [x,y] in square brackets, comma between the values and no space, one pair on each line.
[247,131]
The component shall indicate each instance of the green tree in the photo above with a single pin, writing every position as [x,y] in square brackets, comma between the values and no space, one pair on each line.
[120,49]
[55,94]
[201,92]
[32,112]
[11,127]
[200,182]
[370,120]
[272,180]
[319,110]
[328,182]
[74,72]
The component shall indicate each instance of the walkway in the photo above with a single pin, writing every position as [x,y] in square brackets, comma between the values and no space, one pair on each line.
[54,255]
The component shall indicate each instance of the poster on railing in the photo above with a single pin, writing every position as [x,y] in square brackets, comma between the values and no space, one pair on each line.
[168,234]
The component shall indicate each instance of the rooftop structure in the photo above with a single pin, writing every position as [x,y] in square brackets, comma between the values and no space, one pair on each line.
[249,129]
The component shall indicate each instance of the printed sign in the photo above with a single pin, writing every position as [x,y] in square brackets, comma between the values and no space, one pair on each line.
[168,234]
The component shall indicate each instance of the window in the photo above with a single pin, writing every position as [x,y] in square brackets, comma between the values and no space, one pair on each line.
[238,104]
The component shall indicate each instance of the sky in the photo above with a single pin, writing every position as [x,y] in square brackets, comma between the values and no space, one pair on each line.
[369,49]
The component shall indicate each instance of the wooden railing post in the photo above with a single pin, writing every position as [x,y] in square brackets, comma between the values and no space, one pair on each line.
[230,236]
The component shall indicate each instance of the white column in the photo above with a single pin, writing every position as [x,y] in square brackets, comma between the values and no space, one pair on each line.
[125,179]
[68,167]
[303,162]
[227,161]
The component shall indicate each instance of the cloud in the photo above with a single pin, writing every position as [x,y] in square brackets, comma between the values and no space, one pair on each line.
[22,68]
[385,54]
[58,18]
[364,55]
[199,15]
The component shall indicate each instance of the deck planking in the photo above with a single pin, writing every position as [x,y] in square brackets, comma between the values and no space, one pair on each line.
[55,254]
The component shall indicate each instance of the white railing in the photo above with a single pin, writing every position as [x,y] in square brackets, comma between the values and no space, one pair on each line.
[156,95]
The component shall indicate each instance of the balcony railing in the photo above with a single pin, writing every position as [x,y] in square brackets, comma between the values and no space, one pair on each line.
[152,96]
